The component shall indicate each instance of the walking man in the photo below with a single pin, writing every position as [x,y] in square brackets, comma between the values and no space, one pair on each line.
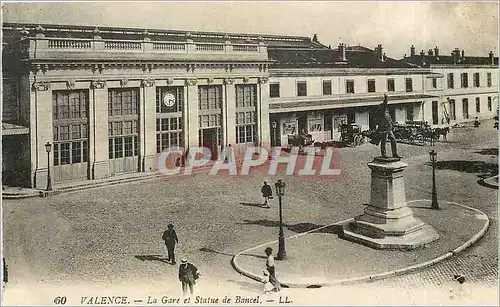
[267,193]
[384,129]
[170,238]
[188,274]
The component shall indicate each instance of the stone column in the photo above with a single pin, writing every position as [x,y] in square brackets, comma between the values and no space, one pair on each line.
[387,222]
[230,111]
[264,125]
[148,125]
[43,133]
[192,112]
[98,130]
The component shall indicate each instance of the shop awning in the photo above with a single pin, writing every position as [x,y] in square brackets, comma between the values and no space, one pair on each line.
[13,129]
[336,103]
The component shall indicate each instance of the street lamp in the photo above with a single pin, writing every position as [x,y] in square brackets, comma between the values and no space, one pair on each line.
[280,191]
[434,203]
[48,148]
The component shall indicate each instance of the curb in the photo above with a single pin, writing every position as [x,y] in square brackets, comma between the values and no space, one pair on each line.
[368,278]
[489,182]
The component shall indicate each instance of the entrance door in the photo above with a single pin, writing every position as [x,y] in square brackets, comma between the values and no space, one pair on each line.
[302,121]
[337,121]
[452,110]
[210,138]
[465,108]
[435,115]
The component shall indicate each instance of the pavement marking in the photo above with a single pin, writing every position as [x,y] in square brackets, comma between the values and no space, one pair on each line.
[378,276]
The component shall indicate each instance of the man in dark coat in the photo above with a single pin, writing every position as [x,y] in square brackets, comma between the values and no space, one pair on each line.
[384,129]
[188,274]
[267,192]
[170,238]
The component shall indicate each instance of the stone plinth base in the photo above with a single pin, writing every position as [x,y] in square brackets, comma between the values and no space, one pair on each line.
[387,222]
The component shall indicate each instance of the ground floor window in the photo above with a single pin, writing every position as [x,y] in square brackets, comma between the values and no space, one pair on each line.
[246,127]
[478,105]
[70,144]
[489,104]
[168,133]
[123,139]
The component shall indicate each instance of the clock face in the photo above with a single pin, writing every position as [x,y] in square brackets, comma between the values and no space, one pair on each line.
[169,100]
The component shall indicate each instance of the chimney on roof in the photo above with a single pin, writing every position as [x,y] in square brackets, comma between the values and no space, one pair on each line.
[315,38]
[430,52]
[456,56]
[412,51]
[383,57]
[491,58]
[378,51]
[436,51]
[463,55]
[342,52]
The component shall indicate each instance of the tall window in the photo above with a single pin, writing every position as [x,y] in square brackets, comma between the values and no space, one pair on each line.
[476,79]
[478,105]
[409,84]
[434,82]
[488,78]
[465,108]
[464,80]
[390,85]
[70,118]
[450,80]
[274,90]
[246,123]
[489,104]
[349,85]
[210,114]
[169,122]
[371,85]
[327,87]
[302,88]
[123,128]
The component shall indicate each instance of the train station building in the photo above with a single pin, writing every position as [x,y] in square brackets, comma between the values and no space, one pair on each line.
[109,100]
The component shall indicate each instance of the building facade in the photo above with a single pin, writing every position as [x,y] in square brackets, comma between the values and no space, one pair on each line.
[467,85]
[109,101]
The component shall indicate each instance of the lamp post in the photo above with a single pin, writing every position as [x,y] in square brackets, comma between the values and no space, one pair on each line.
[280,191]
[48,148]
[434,203]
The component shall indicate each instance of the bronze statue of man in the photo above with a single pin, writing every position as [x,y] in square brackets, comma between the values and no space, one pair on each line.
[384,129]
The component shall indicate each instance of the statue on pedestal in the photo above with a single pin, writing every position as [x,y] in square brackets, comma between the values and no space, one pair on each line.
[384,129]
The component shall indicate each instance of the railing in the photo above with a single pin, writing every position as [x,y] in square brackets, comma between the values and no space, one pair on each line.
[51,47]
[122,45]
[209,47]
[69,44]
[245,48]
[169,46]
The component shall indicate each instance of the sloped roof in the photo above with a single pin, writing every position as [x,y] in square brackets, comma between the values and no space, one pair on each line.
[320,56]
[427,60]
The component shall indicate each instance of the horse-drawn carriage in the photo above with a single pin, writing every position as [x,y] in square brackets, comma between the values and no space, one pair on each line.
[300,140]
[351,134]
[418,132]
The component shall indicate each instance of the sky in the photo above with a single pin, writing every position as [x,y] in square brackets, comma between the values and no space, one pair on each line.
[472,26]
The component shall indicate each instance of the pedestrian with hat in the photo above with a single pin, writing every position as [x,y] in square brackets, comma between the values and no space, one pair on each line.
[188,274]
[170,238]
[267,193]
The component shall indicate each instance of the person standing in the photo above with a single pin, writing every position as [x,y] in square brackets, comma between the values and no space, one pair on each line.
[270,266]
[170,238]
[267,193]
[188,274]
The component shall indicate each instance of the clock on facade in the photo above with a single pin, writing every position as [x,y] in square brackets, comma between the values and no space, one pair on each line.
[169,100]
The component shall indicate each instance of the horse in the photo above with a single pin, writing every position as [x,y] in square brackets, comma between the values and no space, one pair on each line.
[442,132]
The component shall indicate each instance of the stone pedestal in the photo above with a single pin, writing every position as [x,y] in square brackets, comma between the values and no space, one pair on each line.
[387,222]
